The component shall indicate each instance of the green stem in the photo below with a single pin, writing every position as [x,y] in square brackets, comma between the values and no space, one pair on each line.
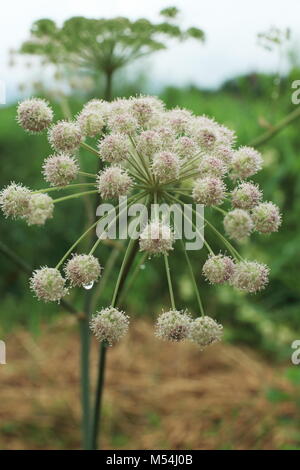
[85,381]
[90,149]
[197,293]
[262,139]
[132,200]
[190,221]
[102,352]
[58,188]
[72,196]
[169,282]
[89,175]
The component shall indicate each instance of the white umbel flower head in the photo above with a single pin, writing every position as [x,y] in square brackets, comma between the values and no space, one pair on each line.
[48,284]
[114,182]
[205,132]
[157,238]
[34,115]
[209,191]
[91,122]
[173,325]
[266,217]
[238,224]
[246,195]
[14,200]
[148,142]
[212,166]
[205,331]
[179,120]
[245,162]
[60,170]
[65,136]
[166,166]
[218,269]
[114,148]
[40,208]
[250,276]
[124,123]
[100,107]
[186,147]
[82,270]
[109,325]
[146,109]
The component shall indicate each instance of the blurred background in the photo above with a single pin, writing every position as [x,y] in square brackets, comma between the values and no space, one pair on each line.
[230,61]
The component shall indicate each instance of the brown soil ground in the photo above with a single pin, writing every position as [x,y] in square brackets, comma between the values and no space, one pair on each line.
[157,395]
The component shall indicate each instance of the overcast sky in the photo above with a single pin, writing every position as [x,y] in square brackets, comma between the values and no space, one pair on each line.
[231,27]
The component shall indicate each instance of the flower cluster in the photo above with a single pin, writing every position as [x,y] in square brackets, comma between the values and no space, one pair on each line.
[152,155]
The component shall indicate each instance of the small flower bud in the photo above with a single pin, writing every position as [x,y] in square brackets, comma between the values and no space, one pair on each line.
[205,132]
[34,115]
[48,284]
[148,143]
[212,166]
[266,217]
[114,148]
[114,182]
[60,169]
[224,153]
[246,196]
[173,325]
[82,270]
[146,109]
[14,200]
[245,162]
[205,331]
[123,123]
[110,325]
[238,224]
[209,191]
[186,147]
[65,136]
[250,276]
[166,166]
[179,120]
[40,208]
[156,238]
[91,122]
[218,269]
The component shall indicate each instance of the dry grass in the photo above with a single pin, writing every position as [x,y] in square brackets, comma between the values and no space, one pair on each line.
[157,395]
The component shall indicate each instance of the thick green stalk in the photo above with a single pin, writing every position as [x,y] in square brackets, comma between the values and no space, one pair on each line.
[169,282]
[126,264]
[191,272]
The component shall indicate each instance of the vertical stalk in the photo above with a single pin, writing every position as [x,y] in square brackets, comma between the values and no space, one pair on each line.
[169,282]
[85,380]
[125,267]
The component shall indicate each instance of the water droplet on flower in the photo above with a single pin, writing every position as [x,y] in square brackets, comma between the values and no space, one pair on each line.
[88,286]
[142,266]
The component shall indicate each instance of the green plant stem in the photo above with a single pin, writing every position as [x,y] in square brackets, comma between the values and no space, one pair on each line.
[190,221]
[73,196]
[167,266]
[263,138]
[136,271]
[126,263]
[85,381]
[133,200]
[89,175]
[16,259]
[90,149]
[58,188]
[196,290]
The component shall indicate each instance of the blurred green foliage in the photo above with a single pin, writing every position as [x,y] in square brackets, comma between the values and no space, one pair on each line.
[268,320]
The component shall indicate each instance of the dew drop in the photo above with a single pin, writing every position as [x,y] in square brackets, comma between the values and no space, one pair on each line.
[88,286]
[142,266]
